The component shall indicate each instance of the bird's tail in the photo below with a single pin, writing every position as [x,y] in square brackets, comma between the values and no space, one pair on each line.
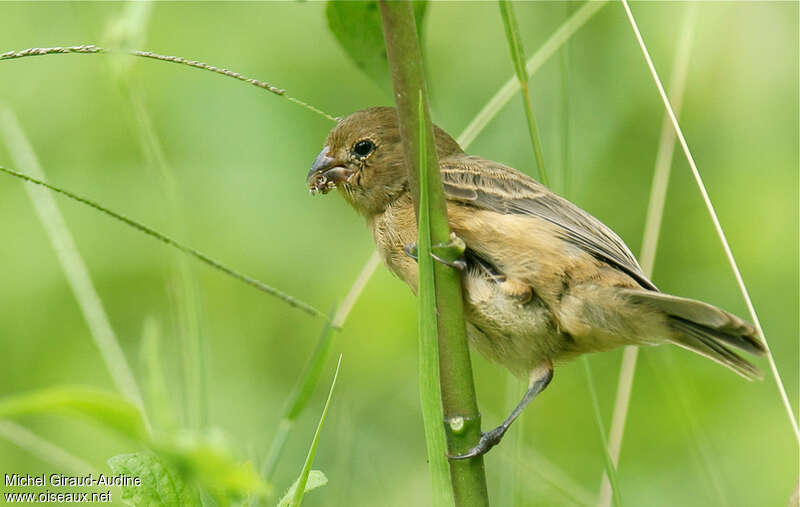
[706,329]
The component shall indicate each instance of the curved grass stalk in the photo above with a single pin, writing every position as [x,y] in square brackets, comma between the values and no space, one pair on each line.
[655,212]
[286,298]
[717,226]
[92,49]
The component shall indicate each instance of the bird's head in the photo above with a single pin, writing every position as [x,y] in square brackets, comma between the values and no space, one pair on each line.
[363,157]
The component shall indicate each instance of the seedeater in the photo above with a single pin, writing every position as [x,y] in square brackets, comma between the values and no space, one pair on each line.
[543,280]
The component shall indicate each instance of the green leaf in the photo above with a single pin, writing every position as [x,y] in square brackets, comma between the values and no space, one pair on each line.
[109,409]
[315,479]
[161,483]
[206,460]
[358,28]
[302,480]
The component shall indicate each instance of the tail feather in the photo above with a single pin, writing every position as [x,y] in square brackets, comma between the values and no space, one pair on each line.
[707,330]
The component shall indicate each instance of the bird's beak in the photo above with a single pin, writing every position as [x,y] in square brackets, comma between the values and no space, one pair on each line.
[326,173]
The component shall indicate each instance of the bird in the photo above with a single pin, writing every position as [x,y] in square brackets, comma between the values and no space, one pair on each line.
[543,280]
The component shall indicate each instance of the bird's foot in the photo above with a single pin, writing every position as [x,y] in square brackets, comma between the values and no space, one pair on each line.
[450,253]
[411,251]
[487,441]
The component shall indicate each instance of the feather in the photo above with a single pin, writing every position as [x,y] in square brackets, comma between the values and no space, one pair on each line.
[481,183]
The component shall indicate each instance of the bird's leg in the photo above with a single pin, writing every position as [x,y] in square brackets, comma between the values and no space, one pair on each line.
[539,379]
[450,253]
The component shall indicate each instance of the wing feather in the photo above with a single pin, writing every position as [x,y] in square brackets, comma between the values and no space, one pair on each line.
[488,185]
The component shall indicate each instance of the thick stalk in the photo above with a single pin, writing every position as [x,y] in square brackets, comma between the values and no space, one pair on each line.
[460,410]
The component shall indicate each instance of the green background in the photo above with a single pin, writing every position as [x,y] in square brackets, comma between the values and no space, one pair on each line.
[240,156]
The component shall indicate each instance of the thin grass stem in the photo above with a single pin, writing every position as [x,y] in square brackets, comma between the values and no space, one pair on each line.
[610,469]
[60,458]
[717,226]
[71,262]
[92,49]
[286,298]
[507,91]
[652,228]
[518,59]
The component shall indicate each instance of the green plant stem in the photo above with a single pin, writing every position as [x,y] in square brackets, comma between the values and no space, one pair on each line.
[610,470]
[518,59]
[460,410]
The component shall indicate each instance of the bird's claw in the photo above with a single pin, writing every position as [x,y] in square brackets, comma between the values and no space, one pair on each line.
[411,251]
[451,253]
[487,441]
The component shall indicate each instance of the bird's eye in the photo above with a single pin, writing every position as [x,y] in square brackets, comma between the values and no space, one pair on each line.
[363,148]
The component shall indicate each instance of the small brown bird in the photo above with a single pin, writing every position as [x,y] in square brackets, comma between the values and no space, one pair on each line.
[544,281]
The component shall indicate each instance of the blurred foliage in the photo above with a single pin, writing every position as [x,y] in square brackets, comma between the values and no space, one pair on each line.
[239,157]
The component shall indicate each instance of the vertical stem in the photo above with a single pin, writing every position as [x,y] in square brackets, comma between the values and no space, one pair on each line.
[460,410]
[518,58]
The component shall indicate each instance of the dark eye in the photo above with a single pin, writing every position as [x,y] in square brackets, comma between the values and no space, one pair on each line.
[363,148]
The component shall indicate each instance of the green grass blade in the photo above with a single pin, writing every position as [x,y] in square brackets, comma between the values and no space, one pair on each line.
[715,220]
[44,450]
[286,298]
[298,398]
[548,49]
[300,488]
[71,262]
[430,395]
[518,59]
[610,468]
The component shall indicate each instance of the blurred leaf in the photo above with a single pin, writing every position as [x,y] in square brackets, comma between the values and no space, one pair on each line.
[206,460]
[358,28]
[315,479]
[302,480]
[109,409]
[161,483]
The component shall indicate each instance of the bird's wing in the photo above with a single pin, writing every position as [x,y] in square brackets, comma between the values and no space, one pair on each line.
[488,185]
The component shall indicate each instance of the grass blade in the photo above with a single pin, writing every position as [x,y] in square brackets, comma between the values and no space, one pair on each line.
[298,399]
[717,226]
[610,470]
[44,450]
[518,59]
[300,488]
[286,298]
[655,211]
[71,262]
[504,94]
